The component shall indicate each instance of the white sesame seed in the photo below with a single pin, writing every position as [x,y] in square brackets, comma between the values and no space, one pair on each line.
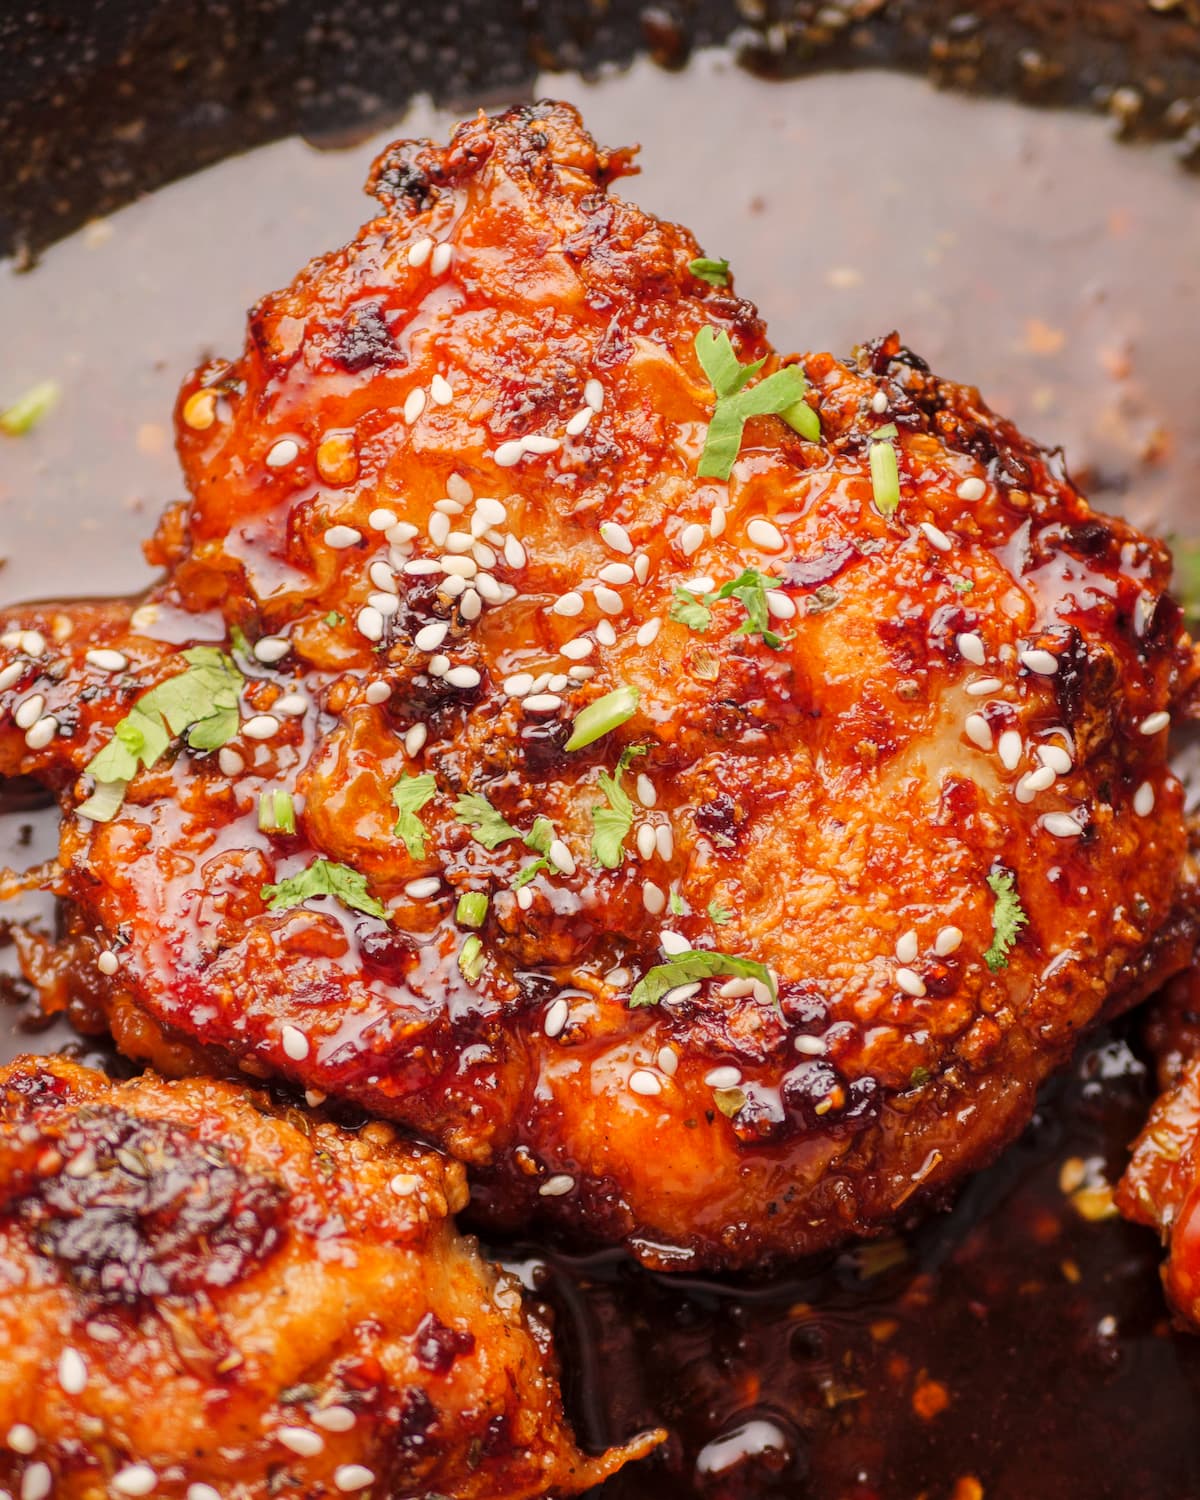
[1143,800]
[414,740]
[668,1061]
[605,633]
[641,567]
[295,1044]
[568,604]
[541,703]
[470,606]
[577,423]
[350,1477]
[978,731]
[557,1017]
[448,507]
[1032,783]
[642,1081]
[72,1372]
[202,1492]
[540,443]
[271,648]
[665,841]
[1054,756]
[616,537]
[647,845]
[556,1186]
[441,390]
[439,262]
[439,529]
[1009,748]
[559,683]
[21,1438]
[36,1482]
[581,674]
[29,711]
[780,606]
[430,637]
[291,705]
[765,535]
[422,888]
[300,1440]
[420,252]
[936,537]
[679,993]
[879,403]
[108,661]
[646,794]
[509,453]
[378,692]
[971,648]
[341,537]
[42,732]
[723,1078]
[947,941]
[1043,663]
[971,489]
[459,489]
[716,521]
[401,533]
[12,674]
[108,963]
[261,727]
[608,599]
[691,538]
[578,648]
[524,898]
[593,394]
[386,604]
[285,452]
[135,1479]
[1151,724]
[907,947]
[561,857]
[701,585]
[463,677]
[1061,825]
[369,623]
[439,665]
[653,898]
[382,519]
[489,589]
[514,552]
[810,1046]
[910,982]
[648,632]
[332,1419]
[616,573]
[33,642]
[230,762]
[518,684]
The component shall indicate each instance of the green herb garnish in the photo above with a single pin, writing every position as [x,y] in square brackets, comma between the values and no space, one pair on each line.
[676,904]
[738,401]
[718,914]
[325,878]
[715,272]
[697,963]
[527,872]
[488,827]
[885,477]
[749,589]
[276,812]
[540,836]
[28,410]
[410,794]
[1185,580]
[471,959]
[334,618]
[1007,919]
[471,910]
[962,585]
[613,822]
[603,716]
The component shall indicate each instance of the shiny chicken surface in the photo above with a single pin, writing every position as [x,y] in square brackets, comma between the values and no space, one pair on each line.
[206,1296]
[906,792]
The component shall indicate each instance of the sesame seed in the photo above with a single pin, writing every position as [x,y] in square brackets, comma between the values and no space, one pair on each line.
[971,489]
[1143,800]
[422,888]
[810,1046]
[679,993]
[470,606]
[202,1492]
[1043,663]
[459,489]
[642,1081]
[947,941]
[653,898]
[295,1043]
[716,521]
[108,963]
[641,567]
[448,507]
[1054,756]
[414,740]
[910,982]
[483,555]
[593,395]
[439,529]
[578,648]
[21,1438]
[414,405]
[561,857]
[539,443]
[439,262]
[568,604]
[541,703]
[285,452]
[271,648]
[647,845]
[401,532]
[524,898]
[577,423]
[556,1186]
[616,573]
[984,685]
[971,648]
[378,692]
[333,1419]
[1151,724]
[12,674]
[648,632]
[665,841]
[369,623]
[382,519]
[230,762]
[107,661]
[1010,748]
[559,682]
[668,1061]
[1032,783]
[936,537]
[33,642]
[463,677]
[135,1479]
[518,684]
[72,1372]
[691,538]
[341,537]
[978,731]
[616,537]
[261,727]
[723,1078]
[29,711]
[441,390]
[430,637]
[581,674]
[605,633]
[36,1482]
[1061,825]
[701,585]
[291,705]
[42,732]
[300,1440]
[780,605]
[907,947]
[509,453]
[608,599]
[557,1017]
[765,535]
[646,794]
[350,1477]
[491,512]
[488,588]
[879,403]
[439,665]
[420,252]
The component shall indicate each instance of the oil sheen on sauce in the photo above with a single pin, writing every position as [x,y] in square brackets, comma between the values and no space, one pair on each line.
[1018,1346]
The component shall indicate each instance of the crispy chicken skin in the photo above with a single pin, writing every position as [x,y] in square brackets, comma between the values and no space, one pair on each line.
[448,493]
[201,1290]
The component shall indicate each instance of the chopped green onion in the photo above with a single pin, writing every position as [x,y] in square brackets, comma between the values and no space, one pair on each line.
[801,418]
[104,803]
[715,272]
[885,477]
[276,812]
[471,959]
[28,410]
[603,716]
[472,909]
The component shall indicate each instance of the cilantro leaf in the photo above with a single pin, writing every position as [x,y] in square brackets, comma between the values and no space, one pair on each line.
[750,590]
[697,963]
[324,878]
[611,824]
[715,272]
[529,871]
[410,794]
[488,827]
[718,915]
[737,401]
[1008,918]
[687,610]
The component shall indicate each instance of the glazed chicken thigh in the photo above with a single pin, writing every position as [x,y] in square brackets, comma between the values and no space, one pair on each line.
[203,1295]
[704,793]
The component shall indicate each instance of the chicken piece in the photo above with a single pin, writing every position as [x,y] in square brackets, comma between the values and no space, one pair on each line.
[205,1295]
[903,796]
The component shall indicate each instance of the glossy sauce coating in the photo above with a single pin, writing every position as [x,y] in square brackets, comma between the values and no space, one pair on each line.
[832,809]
